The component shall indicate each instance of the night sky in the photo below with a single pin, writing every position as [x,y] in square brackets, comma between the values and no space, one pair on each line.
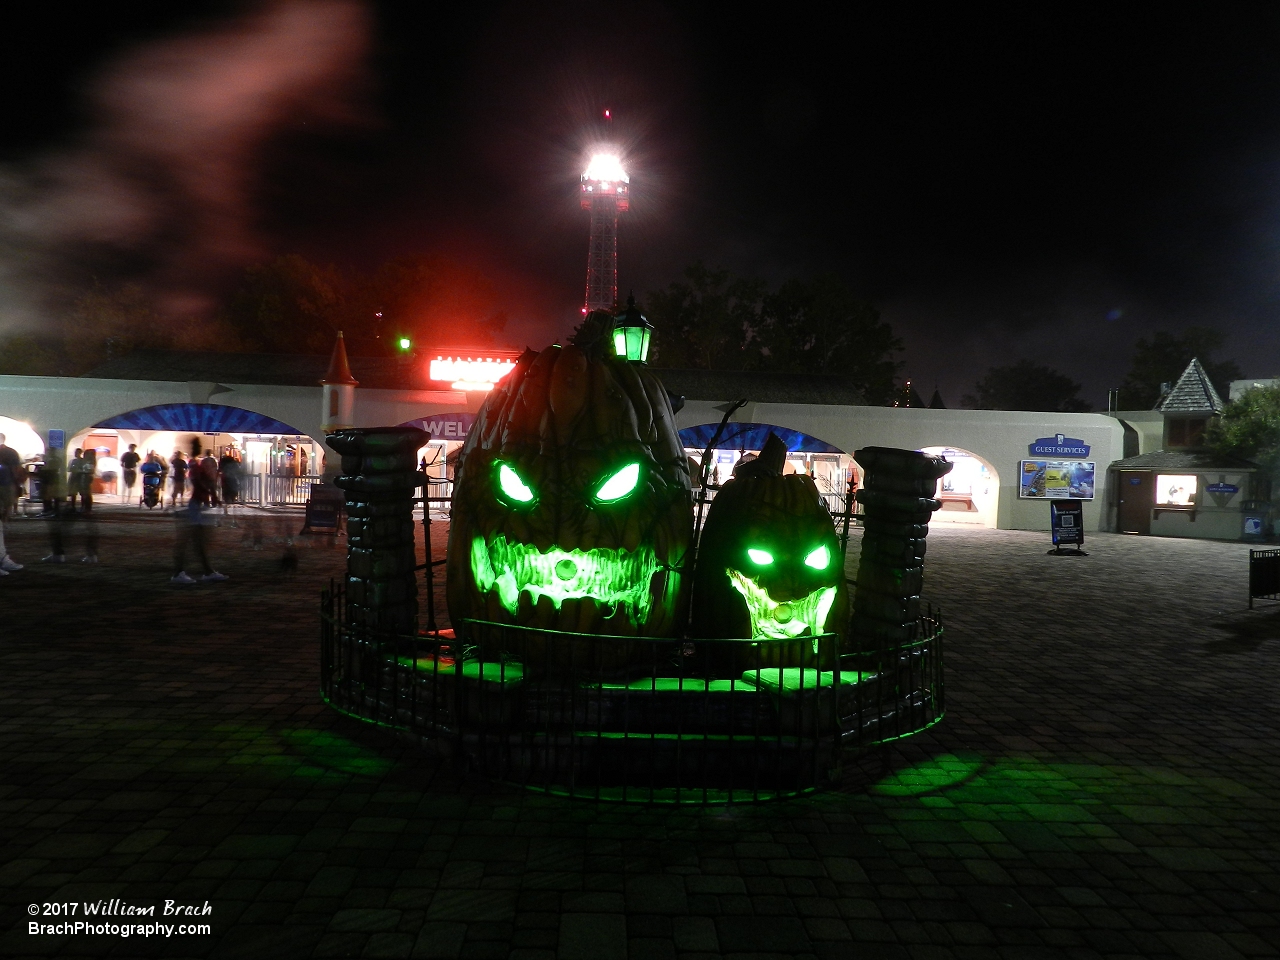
[1050,184]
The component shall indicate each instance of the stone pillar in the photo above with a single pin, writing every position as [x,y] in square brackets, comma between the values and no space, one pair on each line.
[379,476]
[897,494]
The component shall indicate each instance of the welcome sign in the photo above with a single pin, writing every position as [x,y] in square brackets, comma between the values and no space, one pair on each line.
[1058,446]
[444,426]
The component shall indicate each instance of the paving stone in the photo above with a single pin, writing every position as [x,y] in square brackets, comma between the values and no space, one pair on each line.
[1093,791]
[593,936]
[439,941]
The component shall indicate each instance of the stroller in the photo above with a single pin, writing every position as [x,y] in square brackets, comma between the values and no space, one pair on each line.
[150,490]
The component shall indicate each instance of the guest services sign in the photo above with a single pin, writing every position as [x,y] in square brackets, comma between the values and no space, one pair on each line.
[1068,448]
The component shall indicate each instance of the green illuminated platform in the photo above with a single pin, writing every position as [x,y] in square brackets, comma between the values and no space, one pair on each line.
[765,732]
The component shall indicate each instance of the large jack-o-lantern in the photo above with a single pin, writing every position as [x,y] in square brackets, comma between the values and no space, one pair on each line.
[770,569]
[571,505]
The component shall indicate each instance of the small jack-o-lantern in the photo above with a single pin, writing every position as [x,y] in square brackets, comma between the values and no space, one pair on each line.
[571,505]
[769,569]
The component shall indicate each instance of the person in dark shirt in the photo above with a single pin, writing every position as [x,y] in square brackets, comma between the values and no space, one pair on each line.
[129,470]
[10,458]
[204,480]
[179,466]
[11,475]
[229,473]
[75,478]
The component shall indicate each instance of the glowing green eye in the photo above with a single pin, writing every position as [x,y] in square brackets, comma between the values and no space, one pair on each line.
[512,486]
[818,559]
[619,484]
[760,557]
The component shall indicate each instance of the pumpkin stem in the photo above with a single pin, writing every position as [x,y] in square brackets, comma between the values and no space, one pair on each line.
[771,462]
[594,336]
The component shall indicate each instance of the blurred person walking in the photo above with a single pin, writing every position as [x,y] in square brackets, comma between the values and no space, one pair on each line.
[53,481]
[229,472]
[129,461]
[179,467]
[62,521]
[75,478]
[90,469]
[10,458]
[11,473]
[191,534]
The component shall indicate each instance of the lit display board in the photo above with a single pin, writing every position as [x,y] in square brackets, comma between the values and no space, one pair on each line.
[471,373]
[1056,479]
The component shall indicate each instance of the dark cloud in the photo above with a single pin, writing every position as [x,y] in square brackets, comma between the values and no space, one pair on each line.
[160,187]
[1042,183]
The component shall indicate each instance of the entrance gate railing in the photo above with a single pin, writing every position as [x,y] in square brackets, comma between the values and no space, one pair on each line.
[269,491]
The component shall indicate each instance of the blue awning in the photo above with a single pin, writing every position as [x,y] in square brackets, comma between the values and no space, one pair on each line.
[751,436]
[199,418]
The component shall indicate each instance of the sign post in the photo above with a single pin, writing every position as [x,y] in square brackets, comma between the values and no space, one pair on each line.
[325,508]
[1066,520]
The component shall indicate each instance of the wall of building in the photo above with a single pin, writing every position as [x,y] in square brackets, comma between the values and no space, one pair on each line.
[1238,387]
[1217,516]
[1149,425]
[74,404]
[999,437]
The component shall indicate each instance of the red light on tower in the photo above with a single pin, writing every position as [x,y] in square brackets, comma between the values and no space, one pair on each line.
[604,193]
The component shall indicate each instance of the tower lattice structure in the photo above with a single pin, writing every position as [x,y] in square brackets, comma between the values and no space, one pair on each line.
[604,193]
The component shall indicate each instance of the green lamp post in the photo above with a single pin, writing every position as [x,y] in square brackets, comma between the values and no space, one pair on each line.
[631,333]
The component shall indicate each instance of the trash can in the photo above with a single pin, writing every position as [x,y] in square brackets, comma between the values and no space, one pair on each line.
[1256,520]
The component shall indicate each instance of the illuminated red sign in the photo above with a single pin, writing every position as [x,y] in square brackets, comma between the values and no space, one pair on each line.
[471,373]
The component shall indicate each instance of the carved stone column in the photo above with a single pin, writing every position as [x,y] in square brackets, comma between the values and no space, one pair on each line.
[897,495]
[379,476]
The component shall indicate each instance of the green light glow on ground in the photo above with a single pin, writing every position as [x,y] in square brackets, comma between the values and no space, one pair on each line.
[512,486]
[771,620]
[614,578]
[619,484]
[936,773]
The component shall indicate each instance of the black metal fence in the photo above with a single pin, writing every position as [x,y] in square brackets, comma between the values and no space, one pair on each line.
[635,719]
[1264,575]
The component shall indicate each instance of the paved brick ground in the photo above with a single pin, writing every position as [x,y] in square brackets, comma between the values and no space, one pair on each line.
[1104,786]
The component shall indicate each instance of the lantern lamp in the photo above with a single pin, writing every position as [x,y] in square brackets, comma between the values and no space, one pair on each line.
[632,332]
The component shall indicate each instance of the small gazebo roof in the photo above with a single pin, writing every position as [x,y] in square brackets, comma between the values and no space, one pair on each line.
[1193,393]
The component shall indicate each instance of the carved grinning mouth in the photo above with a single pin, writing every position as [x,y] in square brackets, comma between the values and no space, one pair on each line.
[612,578]
[772,620]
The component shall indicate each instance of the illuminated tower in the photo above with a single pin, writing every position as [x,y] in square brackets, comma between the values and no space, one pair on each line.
[604,193]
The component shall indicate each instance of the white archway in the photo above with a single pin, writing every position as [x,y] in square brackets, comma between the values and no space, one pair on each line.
[970,493]
[19,435]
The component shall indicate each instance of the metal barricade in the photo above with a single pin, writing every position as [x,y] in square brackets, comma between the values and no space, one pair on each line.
[1264,575]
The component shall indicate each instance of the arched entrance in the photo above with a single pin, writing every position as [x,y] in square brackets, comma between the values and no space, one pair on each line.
[279,463]
[447,433]
[829,466]
[19,435]
[970,493]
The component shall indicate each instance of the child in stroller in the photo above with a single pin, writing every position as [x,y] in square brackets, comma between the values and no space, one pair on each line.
[151,493]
